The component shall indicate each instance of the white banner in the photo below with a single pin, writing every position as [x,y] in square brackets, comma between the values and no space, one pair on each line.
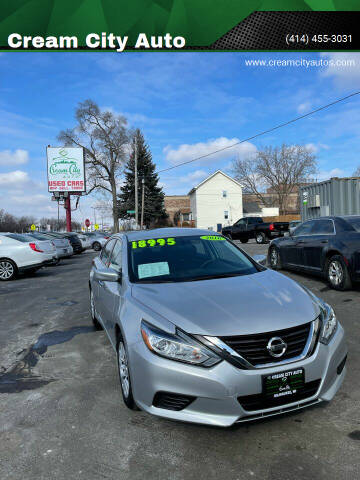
[66,169]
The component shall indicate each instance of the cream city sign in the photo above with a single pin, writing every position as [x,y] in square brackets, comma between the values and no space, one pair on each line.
[66,170]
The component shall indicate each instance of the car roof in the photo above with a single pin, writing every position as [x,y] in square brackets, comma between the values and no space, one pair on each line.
[168,232]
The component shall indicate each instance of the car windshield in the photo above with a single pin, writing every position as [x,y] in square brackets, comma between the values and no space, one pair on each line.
[354,222]
[38,236]
[188,258]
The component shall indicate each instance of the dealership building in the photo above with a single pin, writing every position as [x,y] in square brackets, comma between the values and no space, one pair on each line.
[337,196]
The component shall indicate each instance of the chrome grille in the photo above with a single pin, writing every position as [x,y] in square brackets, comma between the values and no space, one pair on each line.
[254,347]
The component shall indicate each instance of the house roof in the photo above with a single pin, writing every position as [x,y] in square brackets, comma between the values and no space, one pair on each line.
[213,175]
[251,207]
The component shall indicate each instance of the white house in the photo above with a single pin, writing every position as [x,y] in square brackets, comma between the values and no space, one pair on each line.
[216,201]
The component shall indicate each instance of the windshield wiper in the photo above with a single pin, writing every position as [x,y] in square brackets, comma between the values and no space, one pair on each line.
[210,277]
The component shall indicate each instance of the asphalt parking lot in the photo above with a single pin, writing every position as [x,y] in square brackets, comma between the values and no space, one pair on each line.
[62,415]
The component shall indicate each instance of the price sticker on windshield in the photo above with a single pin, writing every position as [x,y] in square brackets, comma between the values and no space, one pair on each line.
[153,242]
[212,237]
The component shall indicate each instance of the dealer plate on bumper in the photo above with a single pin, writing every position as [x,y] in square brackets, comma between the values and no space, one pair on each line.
[281,384]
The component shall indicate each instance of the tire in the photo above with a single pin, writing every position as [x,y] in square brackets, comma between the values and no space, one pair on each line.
[124,374]
[260,237]
[95,321]
[244,240]
[96,246]
[337,273]
[274,258]
[8,270]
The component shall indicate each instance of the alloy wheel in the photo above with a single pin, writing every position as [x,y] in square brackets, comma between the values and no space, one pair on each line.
[336,273]
[123,370]
[6,270]
[273,257]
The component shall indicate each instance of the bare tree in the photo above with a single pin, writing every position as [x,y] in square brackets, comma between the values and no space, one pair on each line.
[105,139]
[357,172]
[276,169]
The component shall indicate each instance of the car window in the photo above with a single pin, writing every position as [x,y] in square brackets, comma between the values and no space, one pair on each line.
[354,222]
[179,259]
[304,229]
[115,261]
[323,227]
[240,222]
[106,251]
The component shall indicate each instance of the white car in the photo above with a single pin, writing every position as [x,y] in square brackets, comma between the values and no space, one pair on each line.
[97,240]
[19,253]
[85,241]
[63,246]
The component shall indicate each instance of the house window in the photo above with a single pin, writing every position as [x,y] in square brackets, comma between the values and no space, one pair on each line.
[226,214]
[224,193]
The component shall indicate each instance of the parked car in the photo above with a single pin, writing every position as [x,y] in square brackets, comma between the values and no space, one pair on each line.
[255,227]
[97,240]
[73,239]
[45,244]
[294,224]
[19,254]
[85,241]
[63,247]
[204,333]
[326,246]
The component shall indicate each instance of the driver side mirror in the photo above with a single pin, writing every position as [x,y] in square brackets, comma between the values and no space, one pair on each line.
[107,275]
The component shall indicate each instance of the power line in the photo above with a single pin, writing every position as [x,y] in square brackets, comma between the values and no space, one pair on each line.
[263,132]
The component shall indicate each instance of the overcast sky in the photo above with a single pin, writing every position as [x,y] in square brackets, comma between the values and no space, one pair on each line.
[187,104]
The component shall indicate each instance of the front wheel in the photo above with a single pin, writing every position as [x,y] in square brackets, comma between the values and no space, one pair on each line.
[274,258]
[337,273]
[124,375]
[260,237]
[96,246]
[7,269]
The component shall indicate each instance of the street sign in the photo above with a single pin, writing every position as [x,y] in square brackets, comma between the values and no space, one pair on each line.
[96,226]
[33,227]
[87,223]
[130,211]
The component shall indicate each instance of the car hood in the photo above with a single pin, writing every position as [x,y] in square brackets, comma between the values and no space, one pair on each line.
[257,303]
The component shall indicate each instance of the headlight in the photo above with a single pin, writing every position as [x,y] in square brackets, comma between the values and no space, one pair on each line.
[329,324]
[328,318]
[179,347]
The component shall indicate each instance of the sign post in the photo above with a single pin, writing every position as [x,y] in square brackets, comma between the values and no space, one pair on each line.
[66,174]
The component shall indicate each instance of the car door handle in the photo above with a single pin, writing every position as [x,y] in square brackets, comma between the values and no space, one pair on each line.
[301,241]
[324,241]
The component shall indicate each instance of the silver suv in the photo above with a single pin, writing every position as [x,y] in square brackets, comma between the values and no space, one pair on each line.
[204,333]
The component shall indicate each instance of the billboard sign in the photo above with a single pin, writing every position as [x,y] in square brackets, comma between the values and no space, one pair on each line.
[66,169]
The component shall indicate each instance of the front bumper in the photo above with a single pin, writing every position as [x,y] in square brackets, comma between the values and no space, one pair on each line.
[217,389]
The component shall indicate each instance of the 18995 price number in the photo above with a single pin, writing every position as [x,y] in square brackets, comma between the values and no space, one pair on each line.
[305,39]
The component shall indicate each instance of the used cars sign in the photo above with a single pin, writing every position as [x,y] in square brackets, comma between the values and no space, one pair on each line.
[66,171]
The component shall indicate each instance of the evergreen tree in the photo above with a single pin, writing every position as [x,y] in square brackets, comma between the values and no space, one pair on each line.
[154,212]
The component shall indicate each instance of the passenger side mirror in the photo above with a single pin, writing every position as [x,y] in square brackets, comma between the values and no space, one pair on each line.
[261,259]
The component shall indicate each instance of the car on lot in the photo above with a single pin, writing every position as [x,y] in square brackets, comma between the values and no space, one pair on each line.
[254,227]
[204,333]
[45,244]
[325,246]
[19,254]
[97,240]
[74,240]
[294,224]
[85,241]
[63,246]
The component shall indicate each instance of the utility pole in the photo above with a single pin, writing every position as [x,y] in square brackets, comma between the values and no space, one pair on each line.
[136,185]
[142,203]
[68,212]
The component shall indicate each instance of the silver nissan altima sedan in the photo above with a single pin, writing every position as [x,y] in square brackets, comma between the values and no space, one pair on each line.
[204,333]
